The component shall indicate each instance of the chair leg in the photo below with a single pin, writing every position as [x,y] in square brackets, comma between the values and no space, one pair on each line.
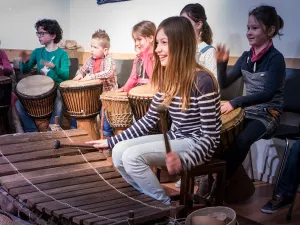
[184,195]
[220,188]
[289,215]
[286,151]
[251,166]
[158,171]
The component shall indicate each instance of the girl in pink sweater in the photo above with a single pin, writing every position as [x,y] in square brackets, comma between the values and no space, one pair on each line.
[143,35]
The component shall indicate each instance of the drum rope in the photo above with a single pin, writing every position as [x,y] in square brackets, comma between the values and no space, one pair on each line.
[127,196]
[78,209]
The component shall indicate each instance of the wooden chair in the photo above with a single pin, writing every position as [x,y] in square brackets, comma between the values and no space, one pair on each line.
[187,182]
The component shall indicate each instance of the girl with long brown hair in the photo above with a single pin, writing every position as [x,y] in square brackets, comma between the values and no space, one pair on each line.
[191,95]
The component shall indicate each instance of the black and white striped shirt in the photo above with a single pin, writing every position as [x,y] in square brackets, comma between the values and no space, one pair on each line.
[201,122]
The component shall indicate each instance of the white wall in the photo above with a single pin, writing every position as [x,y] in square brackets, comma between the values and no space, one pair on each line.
[80,18]
[228,19]
[18,17]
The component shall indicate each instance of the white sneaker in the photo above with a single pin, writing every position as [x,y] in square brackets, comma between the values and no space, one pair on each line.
[178,183]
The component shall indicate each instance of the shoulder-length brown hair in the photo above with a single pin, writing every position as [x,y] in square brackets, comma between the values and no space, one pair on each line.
[177,78]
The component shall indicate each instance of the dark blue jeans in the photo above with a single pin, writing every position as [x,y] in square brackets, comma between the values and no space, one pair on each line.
[28,121]
[107,129]
[237,152]
[290,178]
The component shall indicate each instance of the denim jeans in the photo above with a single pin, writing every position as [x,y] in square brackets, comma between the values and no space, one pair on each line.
[28,121]
[107,129]
[133,159]
[290,178]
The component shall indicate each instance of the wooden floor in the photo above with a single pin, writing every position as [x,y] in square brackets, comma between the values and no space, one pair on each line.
[251,208]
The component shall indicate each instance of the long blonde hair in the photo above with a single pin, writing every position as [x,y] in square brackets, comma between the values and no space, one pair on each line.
[177,78]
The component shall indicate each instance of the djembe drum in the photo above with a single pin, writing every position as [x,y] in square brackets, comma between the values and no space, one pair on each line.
[117,110]
[37,94]
[140,99]
[5,97]
[232,125]
[81,99]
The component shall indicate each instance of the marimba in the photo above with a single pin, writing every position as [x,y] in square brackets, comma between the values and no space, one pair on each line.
[59,185]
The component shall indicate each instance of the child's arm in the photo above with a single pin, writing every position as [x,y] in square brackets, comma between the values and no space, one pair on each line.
[26,65]
[61,68]
[109,69]
[84,70]
[132,80]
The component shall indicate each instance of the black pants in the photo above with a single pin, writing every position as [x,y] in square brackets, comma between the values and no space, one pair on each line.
[290,178]
[237,152]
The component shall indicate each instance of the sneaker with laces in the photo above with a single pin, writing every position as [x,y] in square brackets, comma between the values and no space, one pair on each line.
[278,202]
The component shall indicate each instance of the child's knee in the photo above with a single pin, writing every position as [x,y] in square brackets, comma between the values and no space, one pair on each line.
[117,153]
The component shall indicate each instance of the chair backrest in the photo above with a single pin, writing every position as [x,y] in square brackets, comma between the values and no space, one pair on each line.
[292,91]
[233,90]
[74,65]
[123,69]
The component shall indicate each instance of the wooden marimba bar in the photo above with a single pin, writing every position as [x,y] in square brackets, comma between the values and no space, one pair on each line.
[62,187]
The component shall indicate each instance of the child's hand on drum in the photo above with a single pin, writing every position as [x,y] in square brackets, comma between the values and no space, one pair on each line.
[78,77]
[86,78]
[226,107]
[222,54]
[101,144]
[120,90]
[24,56]
[173,163]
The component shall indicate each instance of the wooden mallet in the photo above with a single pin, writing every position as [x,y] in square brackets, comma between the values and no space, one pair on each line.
[162,110]
[58,145]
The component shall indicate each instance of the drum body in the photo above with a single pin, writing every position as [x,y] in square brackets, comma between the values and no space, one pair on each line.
[37,94]
[140,99]
[81,99]
[117,110]
[5,94]
[232,125]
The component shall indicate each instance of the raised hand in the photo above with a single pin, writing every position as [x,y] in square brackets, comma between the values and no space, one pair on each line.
[222,53]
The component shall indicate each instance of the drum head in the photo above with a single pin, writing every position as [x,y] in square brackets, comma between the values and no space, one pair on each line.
[114,95]
[79,84]
[142,91]
[4,79]
[35,85]
[232,118]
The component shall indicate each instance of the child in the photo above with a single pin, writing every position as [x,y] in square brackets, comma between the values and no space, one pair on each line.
[206,54]
[263,71]
[100,65]
[288,183]
[191,95]
[142,68]
[51,61]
